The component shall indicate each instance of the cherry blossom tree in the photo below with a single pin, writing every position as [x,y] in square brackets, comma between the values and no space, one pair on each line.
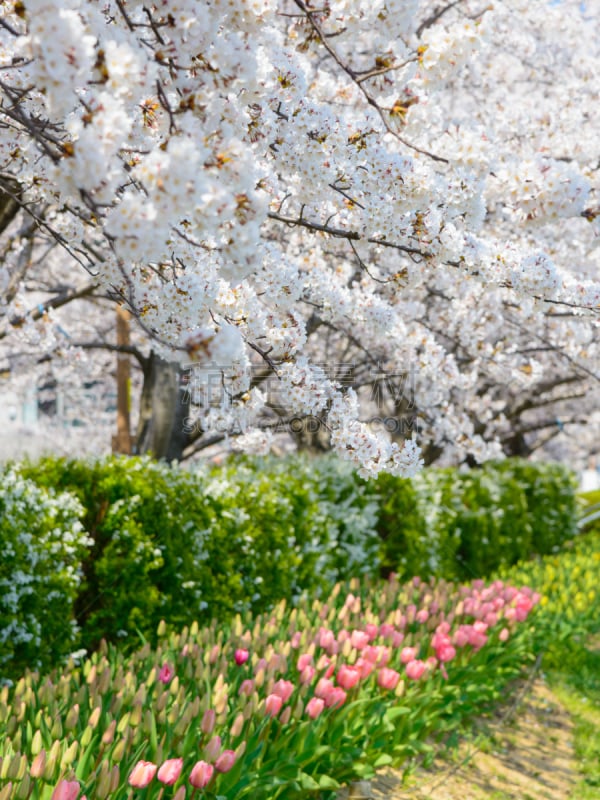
[275,189]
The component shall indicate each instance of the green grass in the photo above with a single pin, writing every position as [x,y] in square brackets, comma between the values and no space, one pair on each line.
[577,684]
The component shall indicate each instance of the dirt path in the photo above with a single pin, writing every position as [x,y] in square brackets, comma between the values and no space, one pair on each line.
[528,758]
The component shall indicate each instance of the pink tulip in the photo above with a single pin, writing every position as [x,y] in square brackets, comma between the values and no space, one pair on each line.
[422,616]
[240,656]
[170,771]
[386,630]
[372,653]
[211,751]
[397,638]
[324,687]
[296,639]
[141,775]
[305,660]
[388,678]
[445,653]
[408,654]
[284,689]
[314,707]
[359,639]
[201,774]
[66,790]
[166,674]
[273,705]
[364,667]
[225,761]
[371,630]
[326,639]
[208,721]
[247,687]
[261,664]
[336,697]
[415,669]
[504,634]
[460,638]
[307,674]
[440,639]
[347,677]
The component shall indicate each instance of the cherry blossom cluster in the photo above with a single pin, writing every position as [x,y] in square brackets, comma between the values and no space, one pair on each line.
[245,175]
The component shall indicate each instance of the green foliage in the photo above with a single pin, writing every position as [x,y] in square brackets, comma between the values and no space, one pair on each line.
[467,524]
[173,544]
[42,543]
[403,527]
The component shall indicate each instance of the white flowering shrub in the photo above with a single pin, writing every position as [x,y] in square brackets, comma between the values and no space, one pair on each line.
[42,545]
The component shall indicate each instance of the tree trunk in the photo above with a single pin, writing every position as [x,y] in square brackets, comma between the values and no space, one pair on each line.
[163,409]
[9,206]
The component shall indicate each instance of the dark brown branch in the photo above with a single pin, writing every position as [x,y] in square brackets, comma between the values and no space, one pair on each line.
[55,302]
[114,348]
[438,14]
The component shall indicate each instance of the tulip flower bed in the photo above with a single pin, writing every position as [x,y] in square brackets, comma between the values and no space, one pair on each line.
[291,704]
[569,609]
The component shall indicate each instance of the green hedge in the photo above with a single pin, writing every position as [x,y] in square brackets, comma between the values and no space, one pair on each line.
[168,543]
[466,524]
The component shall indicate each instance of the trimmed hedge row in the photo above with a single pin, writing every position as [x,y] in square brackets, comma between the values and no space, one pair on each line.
[156,542]
[461,525]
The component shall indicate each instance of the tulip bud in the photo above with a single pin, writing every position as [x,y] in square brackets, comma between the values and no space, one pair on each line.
[212,749]
[201,774]
[24,788]
[66,790]
[109,733]
[119,750]
[142,774]
[115,778]
[94,717]
[72,717]
[225,761]
[273,705]
[102,790]
[38,764]
[135,716]
[208,721]
[69,755]
[170,771]
[36,743]
[238,726]
[51,762]
[259,678]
